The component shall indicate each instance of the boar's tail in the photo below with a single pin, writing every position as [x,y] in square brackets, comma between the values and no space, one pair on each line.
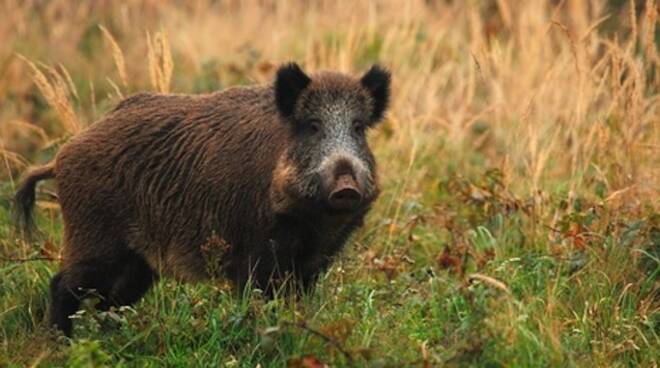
[25,198]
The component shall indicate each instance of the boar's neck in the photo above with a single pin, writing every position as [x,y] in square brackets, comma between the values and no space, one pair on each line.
[313,240]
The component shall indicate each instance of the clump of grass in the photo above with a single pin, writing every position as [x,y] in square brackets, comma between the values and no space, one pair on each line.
[117,55]
[57,88]
[518,224]
[160,61]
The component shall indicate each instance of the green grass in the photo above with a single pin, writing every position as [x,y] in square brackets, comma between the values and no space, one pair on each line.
[403,294]
[518,224]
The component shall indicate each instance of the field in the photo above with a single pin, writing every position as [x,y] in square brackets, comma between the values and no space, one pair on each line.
[519,223]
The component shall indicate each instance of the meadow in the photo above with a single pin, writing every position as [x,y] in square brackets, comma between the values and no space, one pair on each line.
[519,220]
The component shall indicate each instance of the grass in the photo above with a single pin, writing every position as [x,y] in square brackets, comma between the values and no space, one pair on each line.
[519,222]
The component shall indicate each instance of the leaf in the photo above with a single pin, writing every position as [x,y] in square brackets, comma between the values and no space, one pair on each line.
[576,234]
[307,361]
[338,330]
[389,265]
[50,250]
[479,194]
[447,260]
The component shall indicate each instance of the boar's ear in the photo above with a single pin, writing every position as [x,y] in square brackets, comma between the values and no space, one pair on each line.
[289,83]
[377,82]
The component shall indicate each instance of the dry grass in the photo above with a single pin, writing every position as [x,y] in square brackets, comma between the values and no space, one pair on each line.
[560,97]
[118,55]
[57,88]
[160,62]
[552,98]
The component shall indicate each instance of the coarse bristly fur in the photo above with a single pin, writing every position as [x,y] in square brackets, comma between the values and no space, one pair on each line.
[281,174]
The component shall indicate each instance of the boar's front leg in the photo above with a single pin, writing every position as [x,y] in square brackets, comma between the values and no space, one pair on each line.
[309,270]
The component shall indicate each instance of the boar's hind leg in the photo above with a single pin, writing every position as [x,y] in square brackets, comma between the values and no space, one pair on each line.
[133,281]
[69,287]
[118,281]
[62,305]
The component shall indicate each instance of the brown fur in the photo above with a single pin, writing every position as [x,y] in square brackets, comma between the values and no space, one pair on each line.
[144,189]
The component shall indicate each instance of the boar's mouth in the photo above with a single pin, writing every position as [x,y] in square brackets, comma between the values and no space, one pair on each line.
[346,195]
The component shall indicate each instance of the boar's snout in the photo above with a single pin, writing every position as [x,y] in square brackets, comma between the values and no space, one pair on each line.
[346,195]
[343,182]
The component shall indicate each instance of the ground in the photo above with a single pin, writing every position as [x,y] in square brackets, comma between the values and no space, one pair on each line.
[519,223]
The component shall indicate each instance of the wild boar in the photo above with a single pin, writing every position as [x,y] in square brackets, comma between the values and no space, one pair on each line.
[276,176]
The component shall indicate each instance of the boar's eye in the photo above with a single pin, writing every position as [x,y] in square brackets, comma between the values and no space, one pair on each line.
[359,126]
[312,126]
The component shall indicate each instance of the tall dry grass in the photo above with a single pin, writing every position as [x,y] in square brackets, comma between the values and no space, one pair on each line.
[560,96]
[554,94]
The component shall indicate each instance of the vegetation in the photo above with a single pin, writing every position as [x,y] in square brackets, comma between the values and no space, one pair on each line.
[519,223]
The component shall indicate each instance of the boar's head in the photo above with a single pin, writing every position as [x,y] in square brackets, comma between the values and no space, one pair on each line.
[327,166]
